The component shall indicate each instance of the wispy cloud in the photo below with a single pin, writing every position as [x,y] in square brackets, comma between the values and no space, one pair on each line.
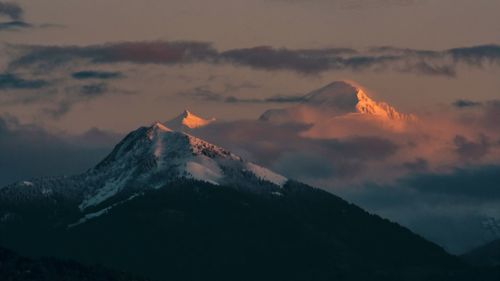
[472,149]
[155,52]
[438,205]
[462,103]
[481,114]
[70,96]
[355,4]
[206,94]
[94,74]
[305,61]
[15,18]
[14,13]
[60,95]
[29,150]
[11,81]
[14,25]
[11,10]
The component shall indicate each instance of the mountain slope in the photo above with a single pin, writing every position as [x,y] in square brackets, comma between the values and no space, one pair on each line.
[16,268]
[193,230]
[486,255]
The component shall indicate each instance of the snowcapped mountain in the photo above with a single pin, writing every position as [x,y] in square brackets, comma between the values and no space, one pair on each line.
[339,100]
[187,121]
[170,206]
[150,158]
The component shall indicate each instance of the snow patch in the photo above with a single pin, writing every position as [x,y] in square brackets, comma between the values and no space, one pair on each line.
[47,191]
[99,213]
[204,169]
[107,191]
[266,174]
[91,216]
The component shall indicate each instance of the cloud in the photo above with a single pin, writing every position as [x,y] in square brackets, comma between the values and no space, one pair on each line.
[230,87]
[469,183]
[438,205]
[481,114]
[21,25]
[60,95]
[11,10]
[55,98]
[28,151]
[304,61]
[492,115]
[476,55]
[370,4]
[461,103]
[472,150]
[93,90]
[412,178]
[204,93]
[276,145]
[272,99]
[76,94]
[93,74]
[355,146]
[356,4]
[14,25]
[14,13]
[155,52]
[305,165]
[418,165]
[11,81]
[439,176]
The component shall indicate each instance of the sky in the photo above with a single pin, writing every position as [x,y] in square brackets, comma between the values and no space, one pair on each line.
[76,76]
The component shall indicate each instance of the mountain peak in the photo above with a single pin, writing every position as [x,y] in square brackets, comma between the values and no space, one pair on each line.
[339,98]
[186,113]
[382,110]
[151,157]
[160,126]
[187,121]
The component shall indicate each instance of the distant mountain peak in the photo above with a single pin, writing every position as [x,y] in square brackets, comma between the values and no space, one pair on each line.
[338,96]
[366,105]
[344,97]
[160,126]
[187,121]
[338,99]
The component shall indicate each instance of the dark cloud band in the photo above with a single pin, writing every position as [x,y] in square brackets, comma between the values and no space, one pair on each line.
[11,10]
[14,25]
[206,94]
[92,74]
[305,61]
[10,81]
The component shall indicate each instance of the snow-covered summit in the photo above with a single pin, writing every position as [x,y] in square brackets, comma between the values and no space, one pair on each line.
[187,121]
[338,99]
[151,158]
